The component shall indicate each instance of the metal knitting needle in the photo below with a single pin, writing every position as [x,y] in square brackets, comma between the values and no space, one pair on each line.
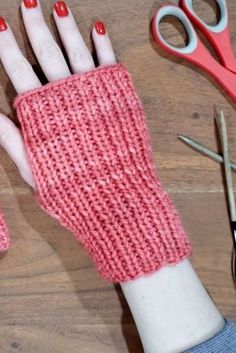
[204,150]
[220,119]
[228,166]
[228,175]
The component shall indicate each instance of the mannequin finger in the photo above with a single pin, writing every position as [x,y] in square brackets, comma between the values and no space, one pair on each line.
[78,53]
[17,67]
[12,142]
[46,49]
[104,50]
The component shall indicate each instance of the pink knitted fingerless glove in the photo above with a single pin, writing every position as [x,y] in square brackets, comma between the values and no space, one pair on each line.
[4,234]
[90,154]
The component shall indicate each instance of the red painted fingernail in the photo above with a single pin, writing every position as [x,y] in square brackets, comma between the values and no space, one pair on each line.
[3,25]
[100,28]
[61,9]
[30,4]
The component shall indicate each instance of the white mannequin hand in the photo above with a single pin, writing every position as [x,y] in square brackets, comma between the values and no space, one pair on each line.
[52,62]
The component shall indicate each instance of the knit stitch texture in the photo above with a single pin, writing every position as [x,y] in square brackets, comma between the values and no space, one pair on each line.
[90,153]
[4,234]
[223,342]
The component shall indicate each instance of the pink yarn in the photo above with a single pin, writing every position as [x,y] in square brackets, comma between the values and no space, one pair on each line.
[4,234]
[90,154]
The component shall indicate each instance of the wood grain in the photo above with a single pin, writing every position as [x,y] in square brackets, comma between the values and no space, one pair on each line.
[51,298]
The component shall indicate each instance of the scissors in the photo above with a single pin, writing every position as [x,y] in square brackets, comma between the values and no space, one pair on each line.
[195,51]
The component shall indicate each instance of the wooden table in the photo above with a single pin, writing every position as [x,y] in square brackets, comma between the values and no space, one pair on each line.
[51,298]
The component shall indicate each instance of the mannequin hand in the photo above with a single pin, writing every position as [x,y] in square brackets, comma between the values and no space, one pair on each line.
[51,60]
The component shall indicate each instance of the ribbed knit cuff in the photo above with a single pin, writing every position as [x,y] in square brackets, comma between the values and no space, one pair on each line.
[90,153]
[223,342]
[4,234]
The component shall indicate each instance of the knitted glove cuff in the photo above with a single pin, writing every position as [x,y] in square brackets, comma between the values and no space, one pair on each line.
[90,154]
[4,234]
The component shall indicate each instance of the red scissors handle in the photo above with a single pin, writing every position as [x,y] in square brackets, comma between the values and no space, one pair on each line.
[218,35]
[195,51]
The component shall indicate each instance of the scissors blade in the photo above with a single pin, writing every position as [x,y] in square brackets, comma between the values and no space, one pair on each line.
[204,150]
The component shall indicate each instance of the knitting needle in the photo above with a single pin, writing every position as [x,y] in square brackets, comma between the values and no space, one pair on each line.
[229,165]
[220,119]
[205,150]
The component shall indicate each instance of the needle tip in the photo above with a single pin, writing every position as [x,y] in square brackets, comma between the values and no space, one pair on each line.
[220,119]
[182,137]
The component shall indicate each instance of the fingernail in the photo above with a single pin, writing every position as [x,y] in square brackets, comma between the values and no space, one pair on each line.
[61,9]
[30,4]
[3,25]
[100,28]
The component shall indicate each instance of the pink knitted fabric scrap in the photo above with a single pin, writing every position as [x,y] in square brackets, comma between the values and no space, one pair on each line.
[90,154]
[4,234]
